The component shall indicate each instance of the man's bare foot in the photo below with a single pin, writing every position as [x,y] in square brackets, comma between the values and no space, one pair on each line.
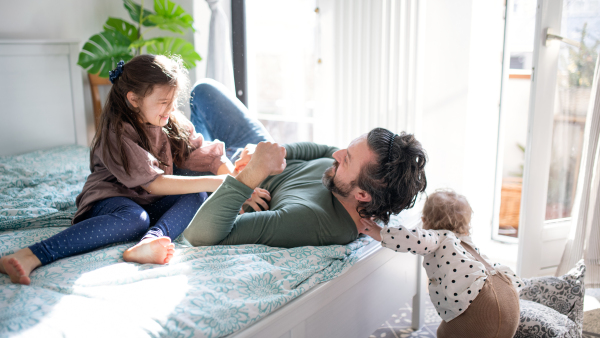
[151,250]
[19,265]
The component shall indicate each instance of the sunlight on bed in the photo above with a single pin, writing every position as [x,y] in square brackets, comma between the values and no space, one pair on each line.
[126,298]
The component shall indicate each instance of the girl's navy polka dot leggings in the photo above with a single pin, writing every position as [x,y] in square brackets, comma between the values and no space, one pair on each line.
[119,219]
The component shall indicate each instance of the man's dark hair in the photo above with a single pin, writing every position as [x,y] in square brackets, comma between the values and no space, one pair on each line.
[395,178]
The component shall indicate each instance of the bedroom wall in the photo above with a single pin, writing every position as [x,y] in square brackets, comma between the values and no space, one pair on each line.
[462,52]
[78,20]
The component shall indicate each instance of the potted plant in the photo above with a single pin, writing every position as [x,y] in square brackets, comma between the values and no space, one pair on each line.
[122,40]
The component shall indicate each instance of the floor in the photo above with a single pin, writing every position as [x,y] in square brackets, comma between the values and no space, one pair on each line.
[398,325]
[591,314]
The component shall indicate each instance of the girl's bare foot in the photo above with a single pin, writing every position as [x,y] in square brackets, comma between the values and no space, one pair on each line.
[19,265]
[151,250]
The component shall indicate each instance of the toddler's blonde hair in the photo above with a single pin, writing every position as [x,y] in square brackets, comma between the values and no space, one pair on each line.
[447,210]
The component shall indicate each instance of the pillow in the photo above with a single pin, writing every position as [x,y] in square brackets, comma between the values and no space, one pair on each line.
[546,302]
[538,320]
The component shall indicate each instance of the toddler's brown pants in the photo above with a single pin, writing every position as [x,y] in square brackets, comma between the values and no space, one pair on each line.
[494,312]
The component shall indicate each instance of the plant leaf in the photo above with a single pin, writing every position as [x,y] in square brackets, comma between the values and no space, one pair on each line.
[102,52]
[123,27]
[175,46]
[135,11]
[163,23]
[142,43]
[171,16]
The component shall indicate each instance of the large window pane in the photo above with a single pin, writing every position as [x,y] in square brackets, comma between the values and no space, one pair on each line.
[580,22]
[282,62]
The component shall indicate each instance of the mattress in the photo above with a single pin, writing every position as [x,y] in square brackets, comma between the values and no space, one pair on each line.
[202,292]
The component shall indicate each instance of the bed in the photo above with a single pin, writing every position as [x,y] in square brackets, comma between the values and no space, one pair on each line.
[242,291]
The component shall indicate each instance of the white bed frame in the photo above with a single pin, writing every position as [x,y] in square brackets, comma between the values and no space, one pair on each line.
[354,304]
[42,96]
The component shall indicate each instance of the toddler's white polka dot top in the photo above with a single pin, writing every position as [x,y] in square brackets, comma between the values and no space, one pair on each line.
[455,276]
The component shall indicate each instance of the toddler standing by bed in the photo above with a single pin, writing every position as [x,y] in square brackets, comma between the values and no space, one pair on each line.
[131,192]
[474,298]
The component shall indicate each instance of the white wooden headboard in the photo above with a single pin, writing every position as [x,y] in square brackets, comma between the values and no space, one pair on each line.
[41,96]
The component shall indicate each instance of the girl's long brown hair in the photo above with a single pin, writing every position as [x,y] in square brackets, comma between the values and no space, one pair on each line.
[140,76]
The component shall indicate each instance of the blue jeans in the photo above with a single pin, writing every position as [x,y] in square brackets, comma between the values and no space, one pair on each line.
[217,114]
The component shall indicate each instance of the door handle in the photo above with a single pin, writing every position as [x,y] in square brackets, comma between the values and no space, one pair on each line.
[552,35]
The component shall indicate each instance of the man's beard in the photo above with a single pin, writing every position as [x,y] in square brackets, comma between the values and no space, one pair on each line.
[328,179]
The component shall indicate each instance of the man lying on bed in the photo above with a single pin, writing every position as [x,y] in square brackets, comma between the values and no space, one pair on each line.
[312,201]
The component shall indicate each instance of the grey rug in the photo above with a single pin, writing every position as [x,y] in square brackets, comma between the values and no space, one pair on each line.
[591,323]
[398,325]
[591,319]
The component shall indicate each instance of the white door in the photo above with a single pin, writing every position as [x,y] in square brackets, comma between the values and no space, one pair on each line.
[565,50]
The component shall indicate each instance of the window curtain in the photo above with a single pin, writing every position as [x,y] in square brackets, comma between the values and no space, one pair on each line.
[219,65]
[584,238]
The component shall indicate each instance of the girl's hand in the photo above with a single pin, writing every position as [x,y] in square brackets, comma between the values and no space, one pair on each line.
[258,200]
[227,168]
[370,228]
[245,157]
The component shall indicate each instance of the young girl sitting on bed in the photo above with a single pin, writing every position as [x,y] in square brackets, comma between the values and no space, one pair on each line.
[474,298]
[131,192]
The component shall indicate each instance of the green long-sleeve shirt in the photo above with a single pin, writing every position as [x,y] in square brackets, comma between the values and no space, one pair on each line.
[301,212]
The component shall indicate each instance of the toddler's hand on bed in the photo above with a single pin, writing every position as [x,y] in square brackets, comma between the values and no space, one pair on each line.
[258,200]
[370,228]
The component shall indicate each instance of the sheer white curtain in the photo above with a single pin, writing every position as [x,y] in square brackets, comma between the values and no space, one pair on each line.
[584,239]
[378,66]
[218,64]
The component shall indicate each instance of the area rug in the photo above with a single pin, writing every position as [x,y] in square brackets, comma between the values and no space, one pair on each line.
[591,323]
[398,325]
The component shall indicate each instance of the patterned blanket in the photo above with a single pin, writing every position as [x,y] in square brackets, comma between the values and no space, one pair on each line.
[38,189]
[202,292]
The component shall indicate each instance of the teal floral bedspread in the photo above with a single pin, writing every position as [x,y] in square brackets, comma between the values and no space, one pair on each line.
[202,292]
[38,189]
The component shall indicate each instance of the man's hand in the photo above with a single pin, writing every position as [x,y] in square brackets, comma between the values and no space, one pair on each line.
[245,157]
[370,228]
[258,200]
[268,159]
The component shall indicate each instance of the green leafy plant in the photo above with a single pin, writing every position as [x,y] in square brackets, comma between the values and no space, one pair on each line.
[122,40]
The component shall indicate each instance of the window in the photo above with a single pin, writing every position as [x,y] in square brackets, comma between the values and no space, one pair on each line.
[581,23]
[282,61]
[520,26]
